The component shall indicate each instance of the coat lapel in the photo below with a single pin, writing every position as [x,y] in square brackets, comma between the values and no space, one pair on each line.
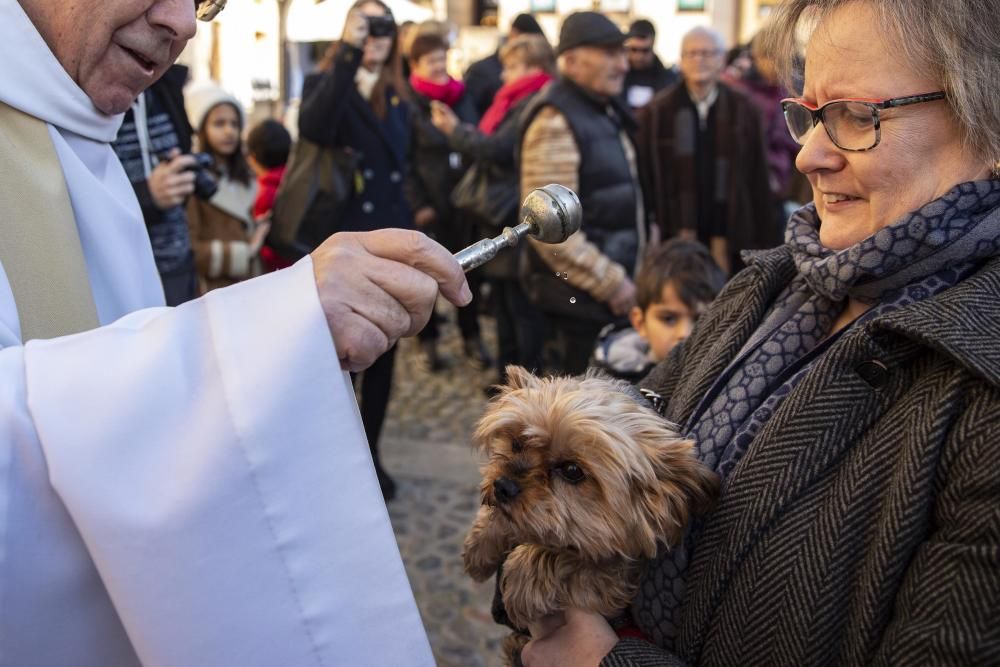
[389,131]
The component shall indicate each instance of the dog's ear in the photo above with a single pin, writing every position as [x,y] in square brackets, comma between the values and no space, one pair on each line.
[519,377]
[685,488]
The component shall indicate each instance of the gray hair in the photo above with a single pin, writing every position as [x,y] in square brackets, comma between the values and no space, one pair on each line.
[702,31]
[955,41]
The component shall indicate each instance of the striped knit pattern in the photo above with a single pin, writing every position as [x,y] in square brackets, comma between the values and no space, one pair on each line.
[862,526]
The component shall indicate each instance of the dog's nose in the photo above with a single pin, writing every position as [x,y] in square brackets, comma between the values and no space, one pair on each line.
[506,489]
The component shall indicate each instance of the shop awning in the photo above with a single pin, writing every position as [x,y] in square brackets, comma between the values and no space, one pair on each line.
[323,21]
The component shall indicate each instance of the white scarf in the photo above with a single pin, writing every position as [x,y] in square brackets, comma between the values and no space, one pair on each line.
[114,239]
[366,80]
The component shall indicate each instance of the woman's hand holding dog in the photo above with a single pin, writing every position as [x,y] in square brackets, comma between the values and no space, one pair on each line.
[578,639]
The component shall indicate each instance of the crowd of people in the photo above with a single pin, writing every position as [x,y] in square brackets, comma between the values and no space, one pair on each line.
[655,152]
[171,491]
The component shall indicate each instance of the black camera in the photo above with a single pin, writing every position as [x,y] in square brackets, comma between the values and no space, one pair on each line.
[381,26]
[204,183]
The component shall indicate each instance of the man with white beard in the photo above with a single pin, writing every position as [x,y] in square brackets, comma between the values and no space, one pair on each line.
[185,486]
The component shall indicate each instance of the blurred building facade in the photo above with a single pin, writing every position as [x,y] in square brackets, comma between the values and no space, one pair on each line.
[243,48]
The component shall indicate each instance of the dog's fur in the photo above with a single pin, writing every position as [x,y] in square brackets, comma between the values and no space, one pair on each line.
[577,544]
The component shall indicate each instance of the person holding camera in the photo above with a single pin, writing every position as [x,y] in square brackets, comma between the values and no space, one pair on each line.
[226,238]
[154,146]
[353,104]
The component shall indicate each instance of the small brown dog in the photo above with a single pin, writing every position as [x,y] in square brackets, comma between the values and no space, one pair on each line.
[583,481]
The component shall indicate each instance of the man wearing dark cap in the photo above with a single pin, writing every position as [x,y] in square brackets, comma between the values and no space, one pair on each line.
[576,133]
[482,79]
[647,75]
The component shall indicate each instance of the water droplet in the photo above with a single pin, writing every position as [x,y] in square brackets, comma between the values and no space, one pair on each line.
[572,299]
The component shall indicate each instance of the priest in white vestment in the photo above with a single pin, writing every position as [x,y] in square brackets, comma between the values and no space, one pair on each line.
[185,486]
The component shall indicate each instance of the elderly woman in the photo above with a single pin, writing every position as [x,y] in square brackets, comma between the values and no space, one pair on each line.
[528,66]
[846,386]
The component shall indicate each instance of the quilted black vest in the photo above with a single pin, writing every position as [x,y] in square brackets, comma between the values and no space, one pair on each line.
[607,190]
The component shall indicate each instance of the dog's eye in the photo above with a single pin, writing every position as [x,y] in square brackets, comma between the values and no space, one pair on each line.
[516,446]
[571,472]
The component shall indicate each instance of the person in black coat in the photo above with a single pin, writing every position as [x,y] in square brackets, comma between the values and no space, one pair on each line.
[354,105]
[647,75]
[154,146]
[483,77]
[529,64]
[436,168]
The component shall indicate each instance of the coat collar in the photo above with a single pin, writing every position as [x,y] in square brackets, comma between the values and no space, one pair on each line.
[961,323]
[614,104]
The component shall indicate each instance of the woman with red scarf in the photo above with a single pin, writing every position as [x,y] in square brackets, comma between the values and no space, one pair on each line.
[528,65]
[435,168]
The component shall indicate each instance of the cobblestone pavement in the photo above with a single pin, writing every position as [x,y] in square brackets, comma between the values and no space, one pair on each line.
[426,447]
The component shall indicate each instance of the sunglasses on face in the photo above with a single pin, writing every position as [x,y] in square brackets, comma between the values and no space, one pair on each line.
[206,10]
[851,124]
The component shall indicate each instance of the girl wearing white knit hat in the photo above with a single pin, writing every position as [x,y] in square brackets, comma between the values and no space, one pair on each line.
[226,238]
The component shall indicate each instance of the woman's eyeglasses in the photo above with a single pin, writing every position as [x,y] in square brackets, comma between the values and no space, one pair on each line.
[206,10]
[851,124]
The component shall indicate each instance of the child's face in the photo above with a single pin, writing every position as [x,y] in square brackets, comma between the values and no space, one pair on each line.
[664,323]
[222,129]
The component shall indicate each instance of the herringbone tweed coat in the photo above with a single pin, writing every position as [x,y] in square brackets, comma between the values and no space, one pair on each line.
[863,524]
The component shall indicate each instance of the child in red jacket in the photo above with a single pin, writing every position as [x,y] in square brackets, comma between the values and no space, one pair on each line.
[268,145]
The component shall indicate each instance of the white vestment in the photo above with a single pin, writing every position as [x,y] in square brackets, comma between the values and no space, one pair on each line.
[186,486]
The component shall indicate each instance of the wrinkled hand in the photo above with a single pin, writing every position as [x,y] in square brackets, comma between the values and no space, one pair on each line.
[376,287]
[355,28]
[169,184]
[443,117]
[425,217]
[623,299]
[577,638]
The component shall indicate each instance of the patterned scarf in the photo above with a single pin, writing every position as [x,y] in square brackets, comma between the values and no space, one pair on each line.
[921,255]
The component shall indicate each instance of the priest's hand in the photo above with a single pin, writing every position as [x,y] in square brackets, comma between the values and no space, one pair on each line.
[171,182]
[376,287]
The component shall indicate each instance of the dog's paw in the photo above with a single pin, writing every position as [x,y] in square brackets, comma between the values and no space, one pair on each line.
[530,584]
[480,560]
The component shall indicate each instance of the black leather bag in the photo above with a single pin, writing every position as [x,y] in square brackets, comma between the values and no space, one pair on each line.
[488,193]
[318,183]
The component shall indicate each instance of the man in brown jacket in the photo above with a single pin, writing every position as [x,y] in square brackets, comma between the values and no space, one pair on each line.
[704,163]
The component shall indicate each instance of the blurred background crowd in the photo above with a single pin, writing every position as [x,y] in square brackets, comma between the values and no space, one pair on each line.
[440,117]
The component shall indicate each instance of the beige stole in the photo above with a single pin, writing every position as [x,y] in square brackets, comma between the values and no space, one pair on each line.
[39,243]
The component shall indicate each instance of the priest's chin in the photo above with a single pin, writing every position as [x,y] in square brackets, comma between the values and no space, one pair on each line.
[114,94]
